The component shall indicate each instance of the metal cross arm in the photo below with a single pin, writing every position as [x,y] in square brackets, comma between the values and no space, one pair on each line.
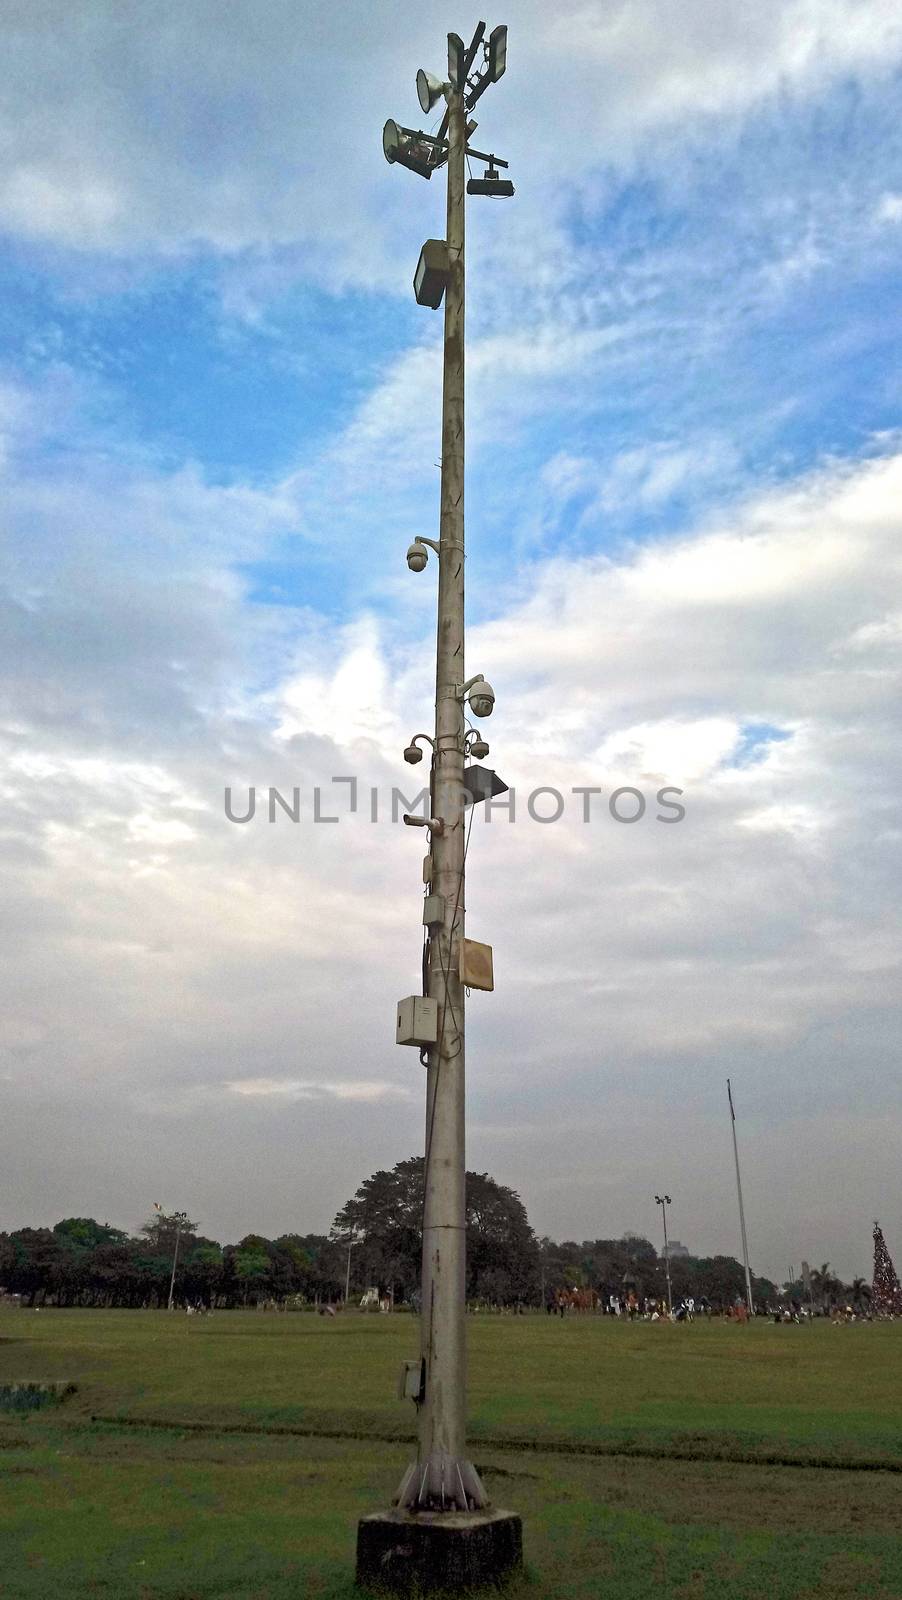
[494,161]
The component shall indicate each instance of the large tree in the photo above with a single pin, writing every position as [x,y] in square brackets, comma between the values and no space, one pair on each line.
[385,1216]
[80,1238]
[612,1266]
[503,1260]
[719,1279]
[32,1262]
[84,1233]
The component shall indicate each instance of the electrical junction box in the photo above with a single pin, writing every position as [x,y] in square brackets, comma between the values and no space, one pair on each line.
[433,911]
[412,1381]
[476,970]
[427,869]
[417,1020]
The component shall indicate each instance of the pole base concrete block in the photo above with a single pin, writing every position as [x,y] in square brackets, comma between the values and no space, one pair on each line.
[433,1552]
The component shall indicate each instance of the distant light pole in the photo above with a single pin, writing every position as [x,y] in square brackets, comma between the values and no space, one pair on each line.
[439,1551]
[745,1243]
[180,1219]
[350,1242]
[664,1201]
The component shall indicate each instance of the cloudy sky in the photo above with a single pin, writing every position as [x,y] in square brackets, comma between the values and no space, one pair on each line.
[219,429]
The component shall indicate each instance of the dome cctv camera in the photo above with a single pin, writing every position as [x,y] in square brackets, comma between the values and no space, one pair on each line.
[413,754]
[479,748]
[482,699]
[416,558]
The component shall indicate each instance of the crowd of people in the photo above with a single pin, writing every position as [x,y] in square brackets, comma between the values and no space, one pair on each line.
[647,1308]
[632,1306]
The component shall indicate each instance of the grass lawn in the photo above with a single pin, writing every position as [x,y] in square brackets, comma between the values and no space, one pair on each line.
[686,1461]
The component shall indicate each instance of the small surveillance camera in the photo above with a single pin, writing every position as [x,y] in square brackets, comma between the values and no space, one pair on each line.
[479,748]
[416,558]
[413,754]
[482,699]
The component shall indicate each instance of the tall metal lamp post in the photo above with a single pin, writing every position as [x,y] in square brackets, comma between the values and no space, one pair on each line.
[350,1241]
[180,1218]
[745,1243]
[663,1200]
[442,1533]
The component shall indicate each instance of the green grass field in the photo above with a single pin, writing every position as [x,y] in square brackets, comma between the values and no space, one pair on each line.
[231,1456]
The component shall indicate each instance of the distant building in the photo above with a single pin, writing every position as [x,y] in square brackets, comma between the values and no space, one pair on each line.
[675,1250]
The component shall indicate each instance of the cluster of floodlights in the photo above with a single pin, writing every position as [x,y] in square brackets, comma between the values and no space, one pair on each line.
[424,153]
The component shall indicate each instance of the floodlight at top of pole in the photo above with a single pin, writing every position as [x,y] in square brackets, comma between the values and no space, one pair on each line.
[430,89]
[495,52]
[498,52]
[457,62]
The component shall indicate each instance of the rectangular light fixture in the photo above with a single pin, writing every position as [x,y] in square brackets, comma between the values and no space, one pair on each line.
[433,272]
[497,52]
[496,186]
[456,61]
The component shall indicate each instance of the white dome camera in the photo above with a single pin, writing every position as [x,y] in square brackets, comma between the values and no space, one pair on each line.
[482,699]
[413,754]
[416,558]
[479,748]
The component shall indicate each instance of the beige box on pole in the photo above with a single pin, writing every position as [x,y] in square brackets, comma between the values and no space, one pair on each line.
[476,970]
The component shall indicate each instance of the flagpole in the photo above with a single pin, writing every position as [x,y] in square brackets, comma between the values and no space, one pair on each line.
[745,1243]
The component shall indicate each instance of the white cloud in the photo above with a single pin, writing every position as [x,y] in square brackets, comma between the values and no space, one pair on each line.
[790,574]
[884,635]
[295,1089]
[673,751]
[349,705]
[890,208]
[648,475]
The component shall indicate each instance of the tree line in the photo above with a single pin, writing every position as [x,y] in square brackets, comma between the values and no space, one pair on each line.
[375,1240]
[506,1263]
[81,1262]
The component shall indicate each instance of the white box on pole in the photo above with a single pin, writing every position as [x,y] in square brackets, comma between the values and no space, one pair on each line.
[417,1020]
